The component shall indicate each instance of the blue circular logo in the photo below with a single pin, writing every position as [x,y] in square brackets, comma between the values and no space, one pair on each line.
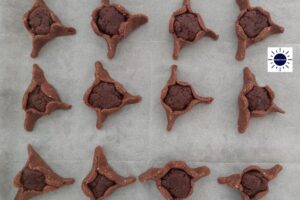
[280,59]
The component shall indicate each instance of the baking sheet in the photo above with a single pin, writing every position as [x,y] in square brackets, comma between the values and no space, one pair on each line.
[135,139]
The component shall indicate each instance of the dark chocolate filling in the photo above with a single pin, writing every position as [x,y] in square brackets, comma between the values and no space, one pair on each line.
[109,20]
[38,100]
[105,96]
[177,182]
[40,21]
[254,182]
[253,22]
[100,185]
[33,180]
[258,99]
[186,26]
[179,97]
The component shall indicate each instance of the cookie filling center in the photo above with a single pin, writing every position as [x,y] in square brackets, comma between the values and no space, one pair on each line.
[33,180]
[105,96]
[40,21]
[186,26]
[179,97]
[38,100]
[258,99]
[254,182]
[100,185]
[178,183]
[253,22]
[109,20]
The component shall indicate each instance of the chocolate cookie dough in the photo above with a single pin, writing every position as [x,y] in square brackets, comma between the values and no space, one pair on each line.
[253,22]
[106,95]
[176,179]
[177,182]
[178,97]
[40,99]
[252,182]
[110,20]
[43,25]
[37,178]
[40,21]
[102,180]
[254,101]
[253,25]
[114,23]
[187,27]
[258,99]
[33,180]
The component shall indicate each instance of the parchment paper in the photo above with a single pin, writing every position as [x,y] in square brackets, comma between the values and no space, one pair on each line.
[135,139]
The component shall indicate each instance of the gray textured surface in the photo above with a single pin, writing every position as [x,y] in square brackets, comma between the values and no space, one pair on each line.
[135,138]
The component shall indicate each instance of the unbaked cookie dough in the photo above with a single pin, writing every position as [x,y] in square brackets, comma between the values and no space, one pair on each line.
[43,25]
[254,101]
[179,97]
[40,99]
[37,178]
[253,25]
[102,180]
[176,179]
[252,182]
[114,23]
[187,27]
[107,96]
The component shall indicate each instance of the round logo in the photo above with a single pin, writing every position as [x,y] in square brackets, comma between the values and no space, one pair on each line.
[280,59]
